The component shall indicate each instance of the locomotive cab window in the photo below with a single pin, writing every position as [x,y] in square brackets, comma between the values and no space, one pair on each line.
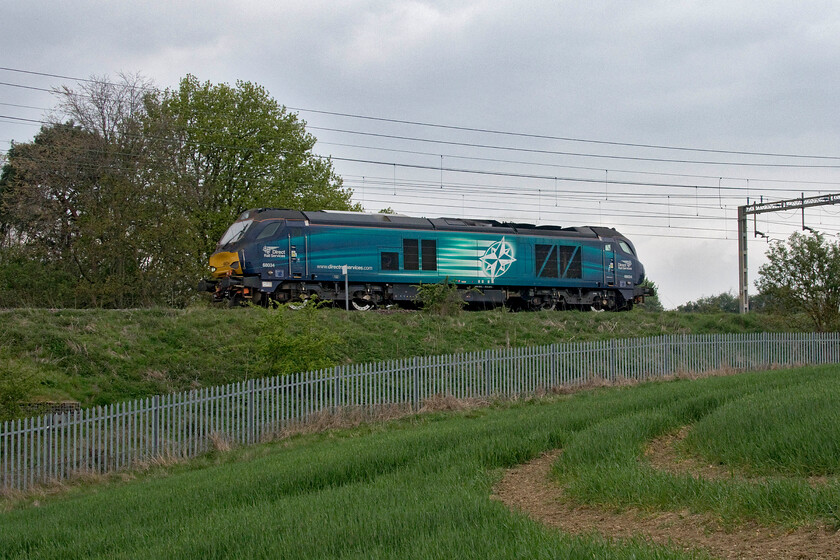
[626,247]
[235,232]
[270,230]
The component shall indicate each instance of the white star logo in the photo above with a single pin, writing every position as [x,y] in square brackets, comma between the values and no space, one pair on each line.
[497,259]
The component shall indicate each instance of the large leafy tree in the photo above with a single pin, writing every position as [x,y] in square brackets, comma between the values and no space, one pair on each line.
[803,275]
[123,196]
[76,199]
[229,148]
[43,187]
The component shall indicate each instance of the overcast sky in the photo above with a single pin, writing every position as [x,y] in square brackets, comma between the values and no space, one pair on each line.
[759,77]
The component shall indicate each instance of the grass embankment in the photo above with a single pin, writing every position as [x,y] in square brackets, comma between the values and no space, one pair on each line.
[104,356]
[419,487]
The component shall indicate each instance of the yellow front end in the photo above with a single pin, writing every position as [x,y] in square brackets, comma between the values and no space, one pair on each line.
[224,264]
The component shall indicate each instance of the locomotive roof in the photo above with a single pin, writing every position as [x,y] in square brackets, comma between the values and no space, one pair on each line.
[444,224]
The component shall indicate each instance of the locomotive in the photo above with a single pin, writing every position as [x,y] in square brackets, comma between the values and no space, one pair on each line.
[271,254]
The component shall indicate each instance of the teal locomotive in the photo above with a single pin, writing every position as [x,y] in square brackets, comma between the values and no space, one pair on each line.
[287,255]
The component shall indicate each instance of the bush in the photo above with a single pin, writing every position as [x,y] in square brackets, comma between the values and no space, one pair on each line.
[295,340]
[29,280]
[16,385]
[442,298]
[724,302]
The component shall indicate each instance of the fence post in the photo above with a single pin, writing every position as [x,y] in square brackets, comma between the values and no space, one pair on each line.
[250,433]
[416,382]
[486,364]
[766,348]
[155,427]
[337,387]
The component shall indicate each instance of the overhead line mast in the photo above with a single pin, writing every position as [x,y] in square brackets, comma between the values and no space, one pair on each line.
[762,208]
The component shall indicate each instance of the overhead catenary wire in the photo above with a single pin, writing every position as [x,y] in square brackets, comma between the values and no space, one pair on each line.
[619,210]
[569,179]
[575,154]
[527,184]
[469,129]
[578,195]
[520,162]
[615,218]
[555,152]
[522,175]
[482,172]
[566,138]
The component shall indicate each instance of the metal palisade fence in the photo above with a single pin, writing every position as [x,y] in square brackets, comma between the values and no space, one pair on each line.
[54,447]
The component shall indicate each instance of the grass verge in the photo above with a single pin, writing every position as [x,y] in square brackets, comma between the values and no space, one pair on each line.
[100,356]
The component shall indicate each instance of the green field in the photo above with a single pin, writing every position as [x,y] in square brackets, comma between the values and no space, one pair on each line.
[104,356]
[419,487]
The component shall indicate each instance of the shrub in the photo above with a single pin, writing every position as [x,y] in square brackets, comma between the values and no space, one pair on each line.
[295,340]
[442,298]
[16,385]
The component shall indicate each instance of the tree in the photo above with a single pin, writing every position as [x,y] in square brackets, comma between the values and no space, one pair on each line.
[47,186]
[803,275]
[75,196]
[227,149]
[651,303]
[124,196]
[724,302]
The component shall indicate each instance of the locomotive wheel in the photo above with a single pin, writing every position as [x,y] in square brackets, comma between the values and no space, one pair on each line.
[541,303]
[361,304]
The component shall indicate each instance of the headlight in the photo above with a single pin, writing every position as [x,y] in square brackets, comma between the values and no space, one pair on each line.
[212,269]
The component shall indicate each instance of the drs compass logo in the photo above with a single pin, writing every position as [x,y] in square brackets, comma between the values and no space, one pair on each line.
[497,259]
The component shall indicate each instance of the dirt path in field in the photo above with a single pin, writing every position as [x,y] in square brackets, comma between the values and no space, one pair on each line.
[528,488]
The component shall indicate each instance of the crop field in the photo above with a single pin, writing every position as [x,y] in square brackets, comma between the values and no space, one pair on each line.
[421,487]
